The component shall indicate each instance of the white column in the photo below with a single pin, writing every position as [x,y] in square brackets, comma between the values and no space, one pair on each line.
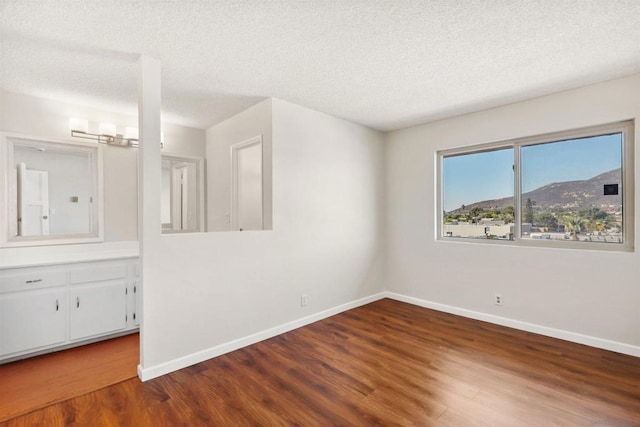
[149,170]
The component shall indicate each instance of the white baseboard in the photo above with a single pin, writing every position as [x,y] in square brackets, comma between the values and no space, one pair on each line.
[618,347]
[173,365]
[191,359]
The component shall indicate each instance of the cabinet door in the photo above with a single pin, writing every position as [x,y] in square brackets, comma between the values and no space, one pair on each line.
[97,309]
[138,302]
[32,320]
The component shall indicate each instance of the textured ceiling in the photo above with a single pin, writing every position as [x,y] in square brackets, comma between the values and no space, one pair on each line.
[383,64]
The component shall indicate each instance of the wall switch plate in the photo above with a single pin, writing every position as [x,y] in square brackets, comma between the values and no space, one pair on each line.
[304,300]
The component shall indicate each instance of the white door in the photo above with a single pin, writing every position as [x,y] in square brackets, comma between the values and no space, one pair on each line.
[246,158]
[179,196]
[33,202]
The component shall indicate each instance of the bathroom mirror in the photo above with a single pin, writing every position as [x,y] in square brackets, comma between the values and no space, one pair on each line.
[53,192]
[182,198]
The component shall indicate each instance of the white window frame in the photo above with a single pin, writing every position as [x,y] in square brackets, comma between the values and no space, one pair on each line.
[626,128]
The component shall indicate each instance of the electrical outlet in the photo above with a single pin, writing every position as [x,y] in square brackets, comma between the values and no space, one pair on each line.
[498,299]
[304,300]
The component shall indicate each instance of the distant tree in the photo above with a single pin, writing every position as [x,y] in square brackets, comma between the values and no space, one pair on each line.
[528,210]
[574,224]
[506,214]
[593,213]
[547,220]
[600,225]
[475,212]
[451,217]
[462,208]
[589,225]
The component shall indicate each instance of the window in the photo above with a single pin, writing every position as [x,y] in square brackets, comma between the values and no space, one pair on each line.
[570,189]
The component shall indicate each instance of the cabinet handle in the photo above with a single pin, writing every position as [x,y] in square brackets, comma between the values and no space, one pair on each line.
[57,305]
[77,302]
[34,281]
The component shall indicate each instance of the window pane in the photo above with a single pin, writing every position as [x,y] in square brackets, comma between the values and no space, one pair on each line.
[478,195]
[572,190]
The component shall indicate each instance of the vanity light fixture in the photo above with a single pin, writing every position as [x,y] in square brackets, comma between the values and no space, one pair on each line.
[107,133]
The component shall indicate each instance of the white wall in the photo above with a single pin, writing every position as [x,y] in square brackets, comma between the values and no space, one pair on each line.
[252,122]
[44,118]
[207,292]
[596,294]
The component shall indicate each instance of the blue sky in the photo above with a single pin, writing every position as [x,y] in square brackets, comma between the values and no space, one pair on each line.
[482,176]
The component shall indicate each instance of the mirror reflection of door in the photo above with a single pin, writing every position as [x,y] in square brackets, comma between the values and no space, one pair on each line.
[33,202]
[179,196]
[247,203]
[181,200]
[165,197]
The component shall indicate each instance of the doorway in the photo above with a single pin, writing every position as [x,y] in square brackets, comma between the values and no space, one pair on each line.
[246,185]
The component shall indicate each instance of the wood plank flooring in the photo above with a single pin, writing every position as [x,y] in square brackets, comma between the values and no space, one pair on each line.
[386,363]
[34,383]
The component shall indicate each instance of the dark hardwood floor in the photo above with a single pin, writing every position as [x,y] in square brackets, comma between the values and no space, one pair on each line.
[386,363]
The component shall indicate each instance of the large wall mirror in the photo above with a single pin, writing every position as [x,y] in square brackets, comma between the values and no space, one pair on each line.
[182,199]
[53,192]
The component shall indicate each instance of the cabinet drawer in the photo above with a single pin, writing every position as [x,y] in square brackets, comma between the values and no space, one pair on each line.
[32,278]
[97,273]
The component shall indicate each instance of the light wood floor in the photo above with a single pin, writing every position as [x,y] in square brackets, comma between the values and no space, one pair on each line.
[386,363]
[37,382]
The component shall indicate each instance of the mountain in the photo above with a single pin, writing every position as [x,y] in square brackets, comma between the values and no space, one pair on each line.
[568,194]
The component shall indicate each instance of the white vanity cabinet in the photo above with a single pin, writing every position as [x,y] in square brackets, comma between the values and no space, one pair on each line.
[135,295]
[32,320]
[43,309]
[97,300]
[32,309]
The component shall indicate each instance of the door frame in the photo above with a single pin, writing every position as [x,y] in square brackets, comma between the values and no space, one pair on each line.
[235,149]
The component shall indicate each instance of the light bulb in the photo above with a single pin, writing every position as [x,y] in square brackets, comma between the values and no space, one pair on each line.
[131,132]
[108,129]
[78,125]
